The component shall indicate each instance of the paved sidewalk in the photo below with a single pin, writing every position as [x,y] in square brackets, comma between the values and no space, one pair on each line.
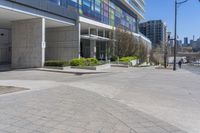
[94,103]
[71,110]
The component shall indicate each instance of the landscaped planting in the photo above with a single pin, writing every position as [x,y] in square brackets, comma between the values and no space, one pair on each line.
[114,58]
[77,62]
[84,62]
[128,59]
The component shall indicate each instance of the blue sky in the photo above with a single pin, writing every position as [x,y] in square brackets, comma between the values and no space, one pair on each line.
[188,16]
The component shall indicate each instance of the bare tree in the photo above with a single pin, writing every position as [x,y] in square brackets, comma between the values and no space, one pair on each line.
[157,55]
[129,45]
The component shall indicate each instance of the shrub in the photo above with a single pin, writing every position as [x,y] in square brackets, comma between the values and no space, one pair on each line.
[56,63]
[77,62]
[84,62]
[128,59]
[114,58]
[91,62]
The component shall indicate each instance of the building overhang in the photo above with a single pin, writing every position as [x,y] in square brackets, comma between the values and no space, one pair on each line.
[9,14]
[85,22]
[96,38]
[143,38]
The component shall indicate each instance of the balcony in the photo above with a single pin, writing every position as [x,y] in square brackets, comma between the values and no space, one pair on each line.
[136,6]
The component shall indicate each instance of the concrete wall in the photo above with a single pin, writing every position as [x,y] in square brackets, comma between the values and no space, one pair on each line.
[28,43]
[63,43]
[5,46]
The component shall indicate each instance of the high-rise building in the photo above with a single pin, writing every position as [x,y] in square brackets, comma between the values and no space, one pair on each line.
[64,29]
[185,41]
[155,30]
[191,41]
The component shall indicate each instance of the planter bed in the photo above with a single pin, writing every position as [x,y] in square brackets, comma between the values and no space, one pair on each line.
[125,64]
[120,65]
[59,68]
[100,67]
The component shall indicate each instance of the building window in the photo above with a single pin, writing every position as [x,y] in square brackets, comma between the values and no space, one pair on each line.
[106,12]
[58,2]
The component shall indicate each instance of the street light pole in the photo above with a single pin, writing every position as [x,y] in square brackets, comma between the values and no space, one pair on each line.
[175,36]
[175,30]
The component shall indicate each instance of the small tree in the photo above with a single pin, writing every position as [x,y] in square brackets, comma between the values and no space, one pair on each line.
[142,51]
[157,55]
[129,45]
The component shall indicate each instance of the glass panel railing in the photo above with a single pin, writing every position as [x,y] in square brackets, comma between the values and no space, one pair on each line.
[140,2]
[134,6]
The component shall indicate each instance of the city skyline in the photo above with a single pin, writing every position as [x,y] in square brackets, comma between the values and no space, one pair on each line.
[188,19]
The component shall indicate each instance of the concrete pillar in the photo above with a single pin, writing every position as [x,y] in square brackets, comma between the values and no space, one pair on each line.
[92,48]
[28,43]
[79,39]
[104,33]
[106,51]
[63,43]
[97,31]
[89,31]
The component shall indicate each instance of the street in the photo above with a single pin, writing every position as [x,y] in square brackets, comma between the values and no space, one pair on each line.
[132,100]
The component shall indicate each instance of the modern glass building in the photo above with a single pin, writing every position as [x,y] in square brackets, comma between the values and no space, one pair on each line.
[33,31]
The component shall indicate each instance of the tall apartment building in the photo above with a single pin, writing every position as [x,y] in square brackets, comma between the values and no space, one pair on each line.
[155,30]
[32,31]
[186,41]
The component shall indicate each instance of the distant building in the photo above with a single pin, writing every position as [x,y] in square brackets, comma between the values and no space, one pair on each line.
[155,30]
[179,42]
[196,45]
[191,41]
[185,41]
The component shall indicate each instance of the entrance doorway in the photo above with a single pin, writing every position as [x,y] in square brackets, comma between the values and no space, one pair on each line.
[85,48]
[5,46]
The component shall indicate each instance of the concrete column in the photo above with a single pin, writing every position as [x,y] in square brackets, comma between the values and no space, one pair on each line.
[93,49]
[106,51]
[63,43]
[104,33]
[89,31]
[28,43]
[97,31]
[79,39]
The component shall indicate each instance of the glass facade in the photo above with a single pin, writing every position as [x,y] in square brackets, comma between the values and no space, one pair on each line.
[104,11]
[58,2]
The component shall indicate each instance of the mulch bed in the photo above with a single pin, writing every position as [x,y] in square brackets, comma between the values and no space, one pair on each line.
[10,89]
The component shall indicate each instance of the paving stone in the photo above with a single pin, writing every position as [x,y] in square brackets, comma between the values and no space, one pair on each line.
[62,108]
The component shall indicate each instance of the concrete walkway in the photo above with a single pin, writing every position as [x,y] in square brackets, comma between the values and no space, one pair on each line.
[67,103]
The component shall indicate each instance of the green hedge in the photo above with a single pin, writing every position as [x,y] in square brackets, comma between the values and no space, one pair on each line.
[91,62]
[84,62]
[56,63]
[73,62]
[77,62]
[114,58]
[128,59]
